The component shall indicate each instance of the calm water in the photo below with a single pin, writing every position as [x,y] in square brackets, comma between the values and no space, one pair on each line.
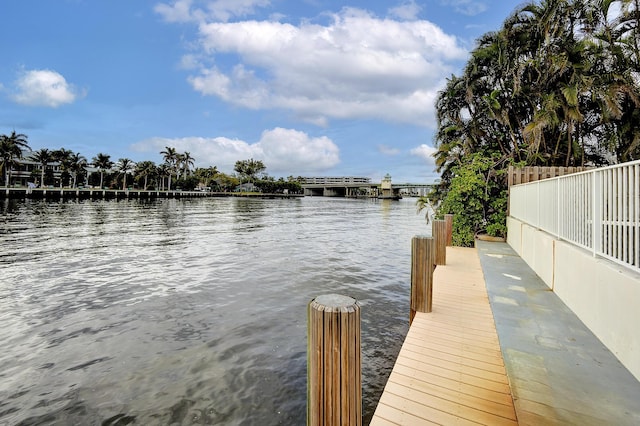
[189,311]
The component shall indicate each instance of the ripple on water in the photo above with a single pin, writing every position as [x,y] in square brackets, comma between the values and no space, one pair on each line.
[189,311]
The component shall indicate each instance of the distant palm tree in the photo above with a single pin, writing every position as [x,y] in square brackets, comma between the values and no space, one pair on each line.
[11,148]
[64,157]
[187,161]
[145,169]
[206,175]
[177,165]
[163,170]
[424,203]
[44,157]
[78,165]
[102,162]
[171,157]
[125,166]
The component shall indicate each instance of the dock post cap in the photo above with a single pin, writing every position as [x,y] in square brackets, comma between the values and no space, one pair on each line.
[335,300]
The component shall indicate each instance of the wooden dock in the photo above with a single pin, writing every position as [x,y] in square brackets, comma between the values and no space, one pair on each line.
[450,368]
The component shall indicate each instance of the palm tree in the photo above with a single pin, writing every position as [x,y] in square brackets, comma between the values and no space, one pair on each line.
[424,203]
[125,166]
[557,85]
[145,169]
[206,175]
[162,171]
[102,162]
[64,158]
[11,148]
[43,156]
[170,156]
[78,165]
[187,161]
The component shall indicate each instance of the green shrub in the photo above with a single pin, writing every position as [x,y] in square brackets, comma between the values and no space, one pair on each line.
[477,197]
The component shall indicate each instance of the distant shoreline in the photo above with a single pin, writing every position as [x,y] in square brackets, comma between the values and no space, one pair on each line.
[95,193]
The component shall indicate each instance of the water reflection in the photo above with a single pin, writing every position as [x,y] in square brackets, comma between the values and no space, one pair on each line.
[189,312]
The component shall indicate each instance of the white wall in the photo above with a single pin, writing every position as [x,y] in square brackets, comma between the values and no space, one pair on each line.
[602,294]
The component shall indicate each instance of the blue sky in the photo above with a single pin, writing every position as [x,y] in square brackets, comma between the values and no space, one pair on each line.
[310,87]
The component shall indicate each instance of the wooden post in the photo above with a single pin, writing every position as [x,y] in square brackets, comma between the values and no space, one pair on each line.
[439,232]
[448,218]
[422,262]
[334,364]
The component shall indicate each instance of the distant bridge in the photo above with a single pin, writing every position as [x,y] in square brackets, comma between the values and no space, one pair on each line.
[355,187]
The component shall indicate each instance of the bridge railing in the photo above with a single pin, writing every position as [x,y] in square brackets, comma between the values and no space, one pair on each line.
[598,210]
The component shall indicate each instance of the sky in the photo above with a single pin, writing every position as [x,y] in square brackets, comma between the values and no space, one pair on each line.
[309,87]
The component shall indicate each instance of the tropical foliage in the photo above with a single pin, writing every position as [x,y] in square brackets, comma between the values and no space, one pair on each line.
[557,85]
[124,166]
[249,169]
[43,157]
[177,171]
[11,148]
[103,163]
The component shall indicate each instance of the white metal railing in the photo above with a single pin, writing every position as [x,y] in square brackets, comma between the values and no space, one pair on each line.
[598,210]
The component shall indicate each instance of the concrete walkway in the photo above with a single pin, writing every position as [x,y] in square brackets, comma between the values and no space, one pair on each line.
[559,372]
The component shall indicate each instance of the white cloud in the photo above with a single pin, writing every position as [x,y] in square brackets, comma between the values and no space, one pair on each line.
[467,7]
[408,10]
[189,62]
[218,10]
[358,66]
[44,88]
[179,11]
[292,151]
[425,152]
[282,151]
[224,10]
[388,150]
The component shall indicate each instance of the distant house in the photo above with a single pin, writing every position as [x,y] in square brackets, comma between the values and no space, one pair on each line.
[247,187]
[25,170]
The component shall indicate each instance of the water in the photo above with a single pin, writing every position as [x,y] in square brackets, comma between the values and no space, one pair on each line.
[189,311]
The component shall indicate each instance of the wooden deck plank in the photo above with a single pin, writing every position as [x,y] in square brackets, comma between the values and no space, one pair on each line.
[471,345]
[455,365]
[387,415]
[420,411]
[456,375]
[472,401]
[454,384]
[461,339]
[440,322]
[458,409]
[451,331]
[450,369]
[490,364]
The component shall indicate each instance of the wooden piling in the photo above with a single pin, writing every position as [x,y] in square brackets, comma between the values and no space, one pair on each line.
[448,218]
[422,265]
[439,232]
[334,364]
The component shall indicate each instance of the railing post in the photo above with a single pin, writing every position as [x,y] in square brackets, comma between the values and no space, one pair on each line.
[596,200]
[439,232]
[334,365]
[448,218]
[422,265]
